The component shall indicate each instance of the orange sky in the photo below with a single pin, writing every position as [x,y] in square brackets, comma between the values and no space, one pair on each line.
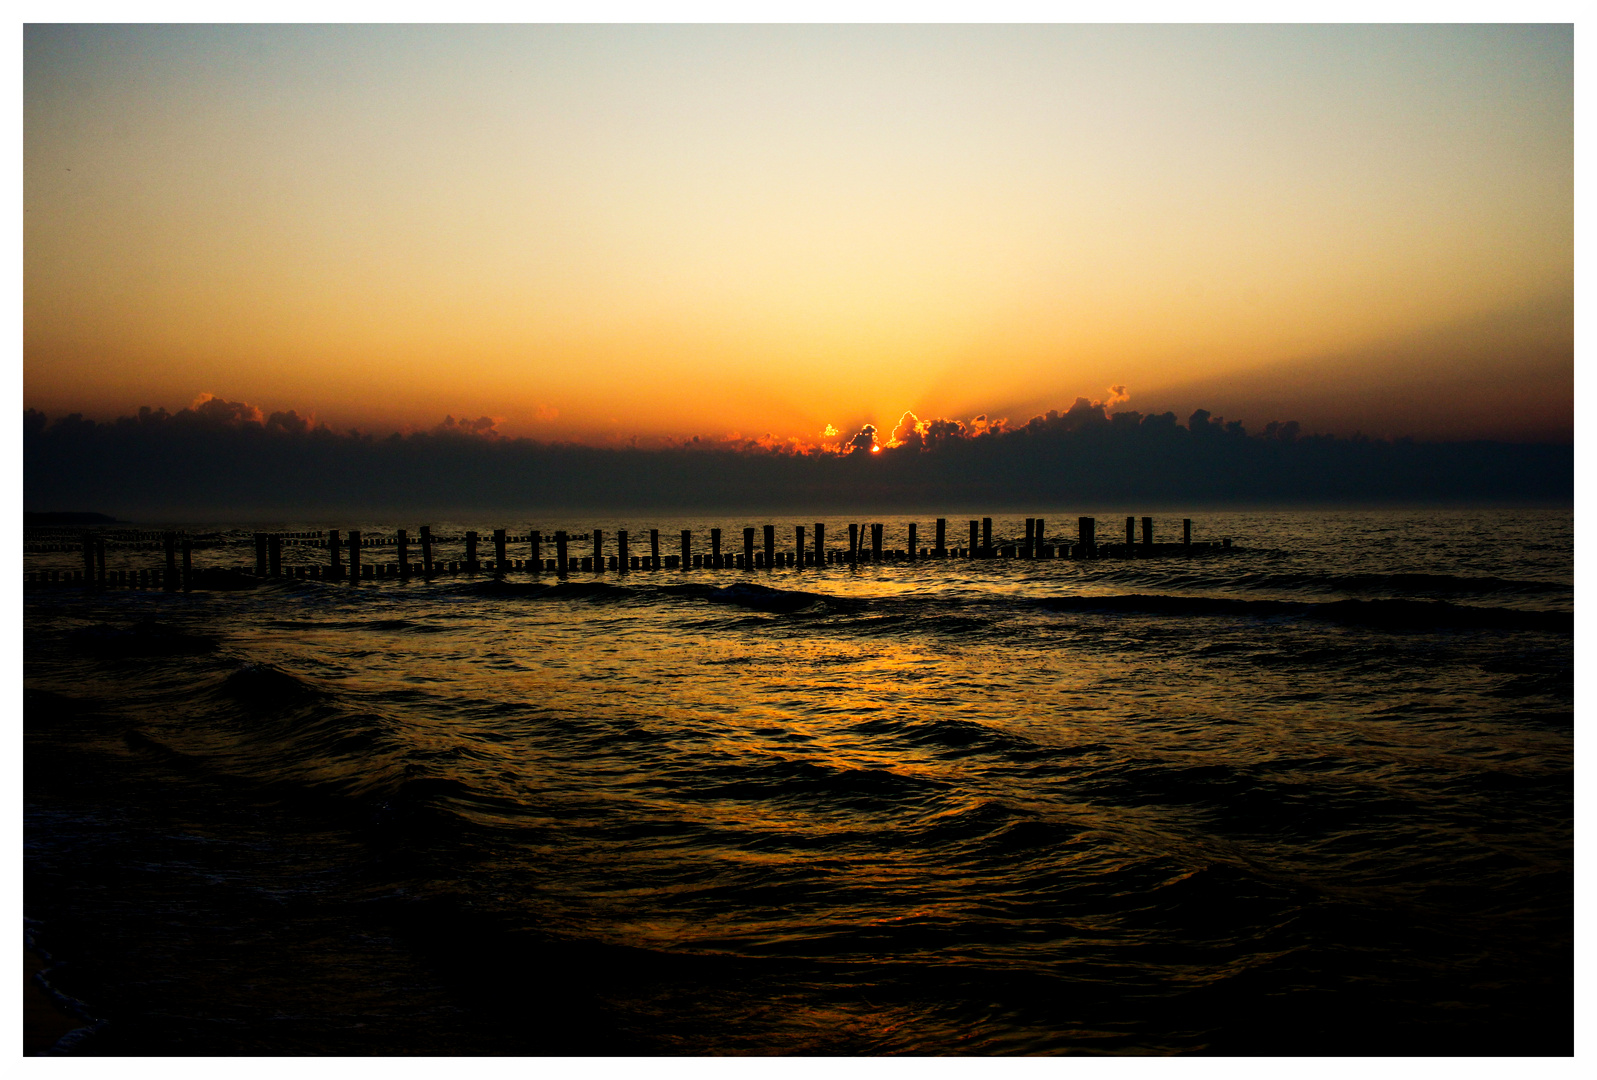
[600,232]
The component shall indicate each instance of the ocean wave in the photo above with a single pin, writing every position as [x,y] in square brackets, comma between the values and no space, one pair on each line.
[783,779]
[1414,583]
[143,639]
[1388,614]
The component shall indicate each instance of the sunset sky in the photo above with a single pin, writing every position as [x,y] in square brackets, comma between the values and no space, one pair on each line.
[606,231]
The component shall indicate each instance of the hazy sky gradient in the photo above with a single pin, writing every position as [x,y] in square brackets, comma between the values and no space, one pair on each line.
[607,231]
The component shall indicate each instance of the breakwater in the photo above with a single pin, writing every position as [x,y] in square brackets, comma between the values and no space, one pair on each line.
[353,556]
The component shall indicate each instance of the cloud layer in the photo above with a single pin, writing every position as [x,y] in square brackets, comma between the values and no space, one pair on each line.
[225,457]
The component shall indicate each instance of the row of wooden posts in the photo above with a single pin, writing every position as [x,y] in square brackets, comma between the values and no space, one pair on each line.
[269,548]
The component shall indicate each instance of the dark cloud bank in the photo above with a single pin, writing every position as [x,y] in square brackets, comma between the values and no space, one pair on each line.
[223,458]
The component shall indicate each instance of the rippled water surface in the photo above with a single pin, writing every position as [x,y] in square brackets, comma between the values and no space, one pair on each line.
[1309,795]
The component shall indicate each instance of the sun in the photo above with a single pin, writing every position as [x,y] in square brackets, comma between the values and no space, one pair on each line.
[876,449]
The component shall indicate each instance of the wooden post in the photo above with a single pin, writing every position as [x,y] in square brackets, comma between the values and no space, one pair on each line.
[1042,544]
[354,556]
[798,546]
[188,564]
[499,552]
[335,568]
[471,551]
[770,546]
[942,536]
[913,550]
[427,550]
[1147,532]
[274,554]
[621,551]
[402,546]
[598,549]
[560,553]
[820,544]
[748,547]
[260,555]
[1131,531]
[715,547]
[687,549]
[1186,532]
[876,542]
[853,543]
[986,538]
[1087,544]
[170,581]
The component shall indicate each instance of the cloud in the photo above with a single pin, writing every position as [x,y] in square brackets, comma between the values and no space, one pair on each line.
[289,422]
[830,432]
[943,430]
[210,408]
[986,425]
[864,442]
[907,432]
[1117,395]
[482,427]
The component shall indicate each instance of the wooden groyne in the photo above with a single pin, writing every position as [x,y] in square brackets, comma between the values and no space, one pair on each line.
[348,553]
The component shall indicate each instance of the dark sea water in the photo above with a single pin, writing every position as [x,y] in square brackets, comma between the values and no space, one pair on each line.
[1313,795]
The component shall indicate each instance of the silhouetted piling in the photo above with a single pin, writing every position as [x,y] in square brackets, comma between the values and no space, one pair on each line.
[402,547]
[260,555]
[975,539]
[654,549]
[170,540]
[427,550]
[1147,533]
[876,542]
[942,536]
[715,547]
[274,555]
[913,550]
[687,549]
[853,543]
[354,556]
[500,554]
[622,554]
[770,546]
[798,546]
[1186,532]
[471,551]
[1086,538]
[748,547]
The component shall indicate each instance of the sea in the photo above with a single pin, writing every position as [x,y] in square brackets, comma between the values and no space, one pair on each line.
[1311,794]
